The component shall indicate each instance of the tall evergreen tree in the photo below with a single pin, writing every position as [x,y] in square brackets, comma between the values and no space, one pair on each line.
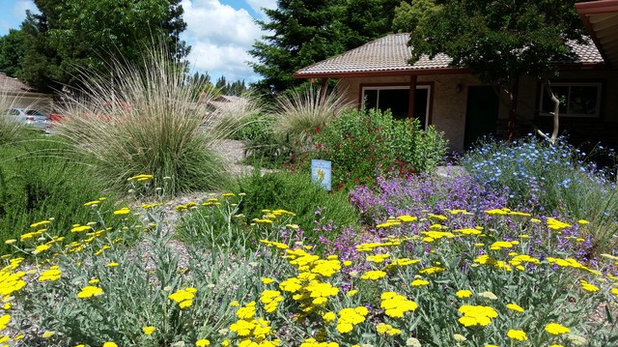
[299,33]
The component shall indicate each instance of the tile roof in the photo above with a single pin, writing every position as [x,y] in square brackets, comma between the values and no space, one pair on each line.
[12,85]
[391,54]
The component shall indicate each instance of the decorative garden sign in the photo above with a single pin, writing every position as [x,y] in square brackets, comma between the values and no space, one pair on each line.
[320,172]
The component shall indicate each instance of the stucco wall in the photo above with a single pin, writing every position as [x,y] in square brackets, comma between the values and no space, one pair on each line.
[448,109]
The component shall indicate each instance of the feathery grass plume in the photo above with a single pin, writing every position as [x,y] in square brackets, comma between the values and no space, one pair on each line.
[146,119]
[300,113]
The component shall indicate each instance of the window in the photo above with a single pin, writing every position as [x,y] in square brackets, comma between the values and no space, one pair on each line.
[576,99]
[397,99]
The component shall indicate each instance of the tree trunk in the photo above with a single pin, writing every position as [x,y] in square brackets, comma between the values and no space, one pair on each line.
[555,114]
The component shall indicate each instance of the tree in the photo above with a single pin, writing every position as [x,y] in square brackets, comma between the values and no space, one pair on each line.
[11,50]
[501,40]
[67,34]
[301,33]
[409,13]
[365,20]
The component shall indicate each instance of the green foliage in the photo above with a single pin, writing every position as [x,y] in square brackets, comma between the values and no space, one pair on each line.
[154,127]
[11,51]
[39,179]
[410,13]
[501,39]
[301,33]
[294,192]
[365,144]
[69,34]
[263,146]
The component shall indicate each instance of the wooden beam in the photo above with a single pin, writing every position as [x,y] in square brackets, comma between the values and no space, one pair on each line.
[412,96]
[323,90]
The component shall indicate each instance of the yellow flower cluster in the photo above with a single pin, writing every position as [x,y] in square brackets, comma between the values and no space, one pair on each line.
[270,299]
[311,342]
[476,315]
[53,274]
[253,331]
[185,207]
[387,329]
[555,224]
[396,305]
[349,317]
[184,297]
[140,177]
[89,292]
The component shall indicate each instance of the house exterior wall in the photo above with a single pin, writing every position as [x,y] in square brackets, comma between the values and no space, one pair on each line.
[582,130]
[449,104]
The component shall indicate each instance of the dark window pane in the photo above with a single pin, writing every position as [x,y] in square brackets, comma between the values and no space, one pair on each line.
[562,92]
[583,100]
[397,100]
[370,98]
[420,106]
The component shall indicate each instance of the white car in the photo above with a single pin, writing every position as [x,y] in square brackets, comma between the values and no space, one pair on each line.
[30,117]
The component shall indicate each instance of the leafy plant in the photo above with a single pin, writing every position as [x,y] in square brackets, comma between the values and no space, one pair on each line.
[297,193]
[368,143]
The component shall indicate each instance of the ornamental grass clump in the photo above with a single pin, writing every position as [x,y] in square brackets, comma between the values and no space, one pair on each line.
[302,113]
[10,128]
[145,119]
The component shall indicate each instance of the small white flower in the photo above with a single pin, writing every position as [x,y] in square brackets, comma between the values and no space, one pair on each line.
[413,342]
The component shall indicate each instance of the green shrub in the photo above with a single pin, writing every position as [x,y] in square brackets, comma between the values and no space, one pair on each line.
[39,179]
[263,147]
[294,192]
[365,144]
[153,125]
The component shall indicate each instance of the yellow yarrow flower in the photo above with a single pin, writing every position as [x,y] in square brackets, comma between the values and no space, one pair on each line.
[515,307]
[148,330]
[396,305]
[556,329]
[373,275]
[202,343]
[419,283]
[89,292]
[518,335]
[110,344]
[464,293]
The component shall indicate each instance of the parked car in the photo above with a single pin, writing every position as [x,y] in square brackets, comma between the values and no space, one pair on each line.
[30,117]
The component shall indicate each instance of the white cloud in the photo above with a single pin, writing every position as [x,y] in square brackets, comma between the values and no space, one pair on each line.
[220,37]
[19,10]
[257,5]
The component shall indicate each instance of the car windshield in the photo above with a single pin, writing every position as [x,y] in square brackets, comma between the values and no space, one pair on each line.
[34,113]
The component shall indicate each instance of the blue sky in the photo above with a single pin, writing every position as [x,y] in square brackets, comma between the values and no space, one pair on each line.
[219,31]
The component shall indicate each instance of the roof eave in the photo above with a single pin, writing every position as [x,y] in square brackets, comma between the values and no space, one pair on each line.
[375,73]
[585,9]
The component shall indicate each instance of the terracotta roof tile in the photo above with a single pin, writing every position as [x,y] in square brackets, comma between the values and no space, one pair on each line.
[391,53]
